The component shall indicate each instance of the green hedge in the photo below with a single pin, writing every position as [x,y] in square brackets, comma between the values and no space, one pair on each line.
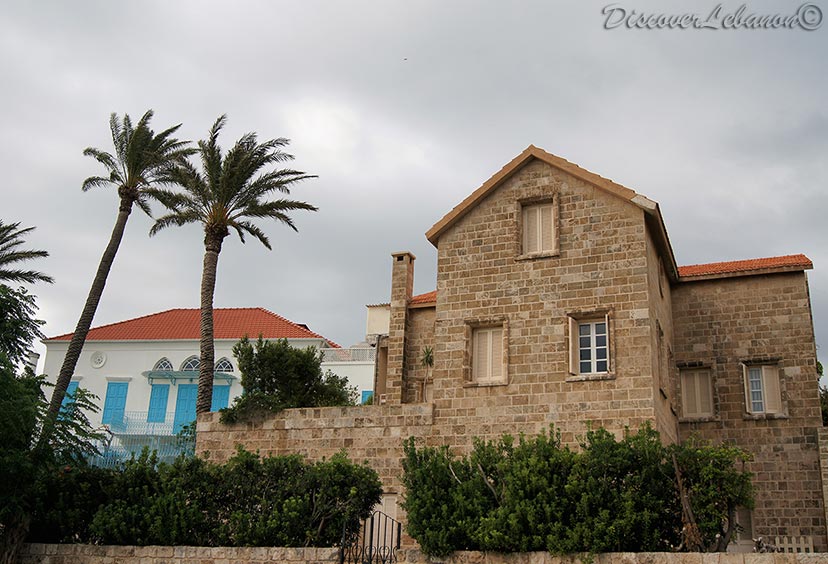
[536,495]
[249,501]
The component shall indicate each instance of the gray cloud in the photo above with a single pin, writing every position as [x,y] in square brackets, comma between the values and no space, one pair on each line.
[402,109]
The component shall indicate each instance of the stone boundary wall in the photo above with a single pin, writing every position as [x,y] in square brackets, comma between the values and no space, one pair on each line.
[83,554]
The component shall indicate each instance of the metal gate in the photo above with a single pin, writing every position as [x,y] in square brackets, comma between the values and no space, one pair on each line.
[377,543]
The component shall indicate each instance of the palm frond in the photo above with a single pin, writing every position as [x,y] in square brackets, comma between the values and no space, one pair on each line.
[94,182]
[11,238]
[174,219]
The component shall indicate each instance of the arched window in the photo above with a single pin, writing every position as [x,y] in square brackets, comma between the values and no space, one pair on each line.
[163,365]
[191,364]
[224,365]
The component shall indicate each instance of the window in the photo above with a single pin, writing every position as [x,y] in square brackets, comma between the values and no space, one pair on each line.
[115,403]
[762,393]
[191,364]
[589,351]
[224,365]
[68,400]
[221,397]
[163,365]
[487,355]
[158,403]
[539,228]
[696,393]
[367,395]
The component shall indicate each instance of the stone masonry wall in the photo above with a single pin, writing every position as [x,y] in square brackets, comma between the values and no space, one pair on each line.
[722,323]
[87,554]
[481,276]
[420,335]
[371,433]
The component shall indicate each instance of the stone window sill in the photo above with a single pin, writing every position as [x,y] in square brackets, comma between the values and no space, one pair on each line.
[590,377]
[539,255]
[701,419]
[763,416]
[484,384]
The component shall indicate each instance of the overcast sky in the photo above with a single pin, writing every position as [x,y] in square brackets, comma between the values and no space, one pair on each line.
[403,109]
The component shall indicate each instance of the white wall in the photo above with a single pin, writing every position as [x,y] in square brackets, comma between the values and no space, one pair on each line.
[126,360]
[378,319]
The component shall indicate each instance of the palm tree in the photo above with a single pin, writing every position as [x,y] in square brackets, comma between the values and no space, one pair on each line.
[230,190]
[142,159]
[11,237]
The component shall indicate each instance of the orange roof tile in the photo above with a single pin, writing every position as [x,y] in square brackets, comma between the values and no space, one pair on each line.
[785,263]
[427,298]
[184,324]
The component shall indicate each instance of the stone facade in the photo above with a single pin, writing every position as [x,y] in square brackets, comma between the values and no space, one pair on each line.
[605,267]
[87,554]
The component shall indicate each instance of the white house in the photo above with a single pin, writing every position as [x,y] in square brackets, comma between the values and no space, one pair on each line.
[145,370]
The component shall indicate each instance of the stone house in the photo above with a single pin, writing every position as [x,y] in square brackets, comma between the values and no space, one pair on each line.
[559,301]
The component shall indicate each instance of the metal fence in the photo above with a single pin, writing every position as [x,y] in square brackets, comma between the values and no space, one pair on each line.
[377,543]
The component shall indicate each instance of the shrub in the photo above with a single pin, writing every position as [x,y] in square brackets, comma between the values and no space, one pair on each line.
[249,501]
[538,495]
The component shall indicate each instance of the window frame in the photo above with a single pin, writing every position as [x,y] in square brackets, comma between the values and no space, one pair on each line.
[475,328]
[163,365]
[770,381]
[187,361]
[574,323]
[225,360]
[696,372]
[538,203]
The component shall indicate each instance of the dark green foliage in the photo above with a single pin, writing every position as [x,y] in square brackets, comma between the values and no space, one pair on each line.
[18,327]
[249,501]
[276,376]
[538,495]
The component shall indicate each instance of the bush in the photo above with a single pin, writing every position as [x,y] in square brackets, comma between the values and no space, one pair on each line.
[538,495]
[276,376]
[249,501]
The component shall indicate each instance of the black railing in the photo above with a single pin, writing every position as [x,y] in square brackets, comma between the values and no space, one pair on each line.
[377,543]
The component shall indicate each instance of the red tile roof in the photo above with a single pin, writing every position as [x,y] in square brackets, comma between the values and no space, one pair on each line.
[427,298]
[184,324]
[735,267]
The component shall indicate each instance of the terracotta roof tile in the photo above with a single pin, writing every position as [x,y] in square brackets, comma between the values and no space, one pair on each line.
[427,298]
[184,324]
[789,262]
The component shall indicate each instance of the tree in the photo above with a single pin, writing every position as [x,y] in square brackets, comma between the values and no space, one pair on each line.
[18,327]
[11,238]
[276,376]
[230,190]
[27,457]
[142,160]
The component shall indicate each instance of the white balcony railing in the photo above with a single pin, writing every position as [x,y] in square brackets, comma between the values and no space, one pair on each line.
[353,354]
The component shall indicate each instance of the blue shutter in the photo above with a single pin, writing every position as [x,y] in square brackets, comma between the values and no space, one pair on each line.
[366,395]
[158,403]
[115,403]
[221,396]
[185,406]
[70,393]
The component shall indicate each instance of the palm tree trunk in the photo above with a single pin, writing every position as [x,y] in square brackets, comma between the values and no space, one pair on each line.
[70,361]
[212,248]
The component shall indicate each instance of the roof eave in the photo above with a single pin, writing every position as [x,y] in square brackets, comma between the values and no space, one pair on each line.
[741,273]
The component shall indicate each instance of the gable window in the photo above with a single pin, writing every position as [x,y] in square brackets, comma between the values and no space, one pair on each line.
[696,393]
[538,222]
[762,390]
[224,365]
[589,345]
[487,364]
[191,364]
[163,365]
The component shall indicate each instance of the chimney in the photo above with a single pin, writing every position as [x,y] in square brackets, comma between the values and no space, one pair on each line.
[402,288]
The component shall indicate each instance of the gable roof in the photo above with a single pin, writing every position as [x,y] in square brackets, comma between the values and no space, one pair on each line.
[653,214]
[185,324]
[769,265]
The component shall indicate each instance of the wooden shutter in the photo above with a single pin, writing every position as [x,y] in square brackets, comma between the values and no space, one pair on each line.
[573,345]
[705,392]
[746,382]
[547,236]
[496,358]
[609,351]
[771,388]
[481,355]
[689,397]
[530,229]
